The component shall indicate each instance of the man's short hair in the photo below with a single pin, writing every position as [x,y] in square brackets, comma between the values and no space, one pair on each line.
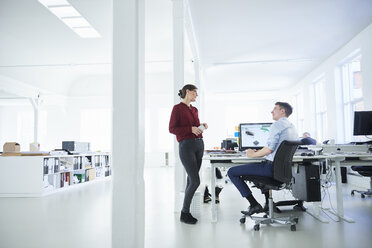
[288,108]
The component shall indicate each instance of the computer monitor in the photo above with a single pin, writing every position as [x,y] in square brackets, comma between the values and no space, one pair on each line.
[253,135]
[363,123]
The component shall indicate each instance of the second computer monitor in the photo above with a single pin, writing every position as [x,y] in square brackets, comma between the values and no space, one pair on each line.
[362,123]
[253,135]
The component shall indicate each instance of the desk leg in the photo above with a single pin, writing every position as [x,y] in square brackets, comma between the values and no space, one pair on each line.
[314,211]
[213,192]
[340,201]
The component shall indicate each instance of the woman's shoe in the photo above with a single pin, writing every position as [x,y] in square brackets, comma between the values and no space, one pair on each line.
[187,218]
[207,199]
[207,196]
[217,193]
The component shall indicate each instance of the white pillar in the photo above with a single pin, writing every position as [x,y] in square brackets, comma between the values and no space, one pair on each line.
[35,105]
[201,91]
[128,124]
[178,82]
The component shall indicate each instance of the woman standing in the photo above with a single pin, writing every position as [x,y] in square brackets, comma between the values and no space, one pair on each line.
[184,123]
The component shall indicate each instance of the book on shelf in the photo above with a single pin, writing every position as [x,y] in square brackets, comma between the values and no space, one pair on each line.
[8,154]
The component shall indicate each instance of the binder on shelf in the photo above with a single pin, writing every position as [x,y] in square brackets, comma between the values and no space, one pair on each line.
[91,174]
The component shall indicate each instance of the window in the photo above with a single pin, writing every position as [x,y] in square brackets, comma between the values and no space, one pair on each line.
[25,130]
[321,130]
[95,127]
[298,112]
[352,89]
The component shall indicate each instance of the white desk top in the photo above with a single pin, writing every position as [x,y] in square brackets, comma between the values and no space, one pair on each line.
[240,159]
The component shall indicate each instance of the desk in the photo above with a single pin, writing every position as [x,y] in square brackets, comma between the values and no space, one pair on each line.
[342,160]
[336,160]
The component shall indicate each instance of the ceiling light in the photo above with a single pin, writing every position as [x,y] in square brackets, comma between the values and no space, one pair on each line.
[87,32]
[71,17]
[65,11]
[76,22]
[54,2]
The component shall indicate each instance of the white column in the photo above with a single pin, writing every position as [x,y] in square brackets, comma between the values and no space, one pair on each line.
[128,127]
[201,91]
[178,82]
[35,105]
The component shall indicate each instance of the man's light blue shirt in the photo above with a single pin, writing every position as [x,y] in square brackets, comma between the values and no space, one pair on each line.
[280,130]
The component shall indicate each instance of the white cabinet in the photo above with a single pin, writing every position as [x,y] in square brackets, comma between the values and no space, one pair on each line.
[34,176]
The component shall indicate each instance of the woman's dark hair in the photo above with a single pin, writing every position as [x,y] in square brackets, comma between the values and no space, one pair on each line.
[182,92]
[288,108]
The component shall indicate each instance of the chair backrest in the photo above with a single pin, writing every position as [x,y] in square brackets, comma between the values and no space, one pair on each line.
[282,165]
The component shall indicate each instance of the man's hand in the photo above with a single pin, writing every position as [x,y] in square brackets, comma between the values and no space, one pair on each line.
[250,153]
[258,153]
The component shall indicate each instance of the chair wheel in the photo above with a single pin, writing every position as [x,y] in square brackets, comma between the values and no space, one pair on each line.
[242,220]
[362,195]
[352,192]
[256,227]
[293,228]
[296,220]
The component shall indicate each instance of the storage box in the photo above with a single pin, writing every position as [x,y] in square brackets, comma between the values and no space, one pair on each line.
[73,146]
[11,147]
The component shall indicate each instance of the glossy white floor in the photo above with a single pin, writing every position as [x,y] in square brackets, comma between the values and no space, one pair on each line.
[80,217]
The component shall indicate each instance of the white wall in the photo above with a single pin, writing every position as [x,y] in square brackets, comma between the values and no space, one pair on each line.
[159,95]
[59,120]
[225,111]
[10,118]
[329,68]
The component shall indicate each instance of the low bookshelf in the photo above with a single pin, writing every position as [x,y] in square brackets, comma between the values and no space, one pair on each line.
[36,176]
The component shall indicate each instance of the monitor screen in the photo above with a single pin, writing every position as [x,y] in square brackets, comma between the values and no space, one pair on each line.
[363,123]
[253,135]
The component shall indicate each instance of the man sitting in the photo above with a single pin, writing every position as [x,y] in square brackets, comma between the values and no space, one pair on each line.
[307,140]
[280,130]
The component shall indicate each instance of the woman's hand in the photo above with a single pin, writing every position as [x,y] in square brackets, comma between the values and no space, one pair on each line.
[205,125]
[196,130]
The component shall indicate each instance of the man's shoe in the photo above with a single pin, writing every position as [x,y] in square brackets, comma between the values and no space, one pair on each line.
[276,209]
[187,218]
[253,210]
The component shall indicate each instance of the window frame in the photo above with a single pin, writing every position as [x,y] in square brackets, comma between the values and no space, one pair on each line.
[320,108]
[349,102]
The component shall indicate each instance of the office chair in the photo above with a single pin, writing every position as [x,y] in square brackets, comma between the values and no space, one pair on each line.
[365,171]
[282,178]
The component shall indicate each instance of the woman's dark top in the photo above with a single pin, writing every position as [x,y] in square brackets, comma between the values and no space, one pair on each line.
[182,119]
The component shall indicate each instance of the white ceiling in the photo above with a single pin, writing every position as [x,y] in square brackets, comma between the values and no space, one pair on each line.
[268,45]
[249,45]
